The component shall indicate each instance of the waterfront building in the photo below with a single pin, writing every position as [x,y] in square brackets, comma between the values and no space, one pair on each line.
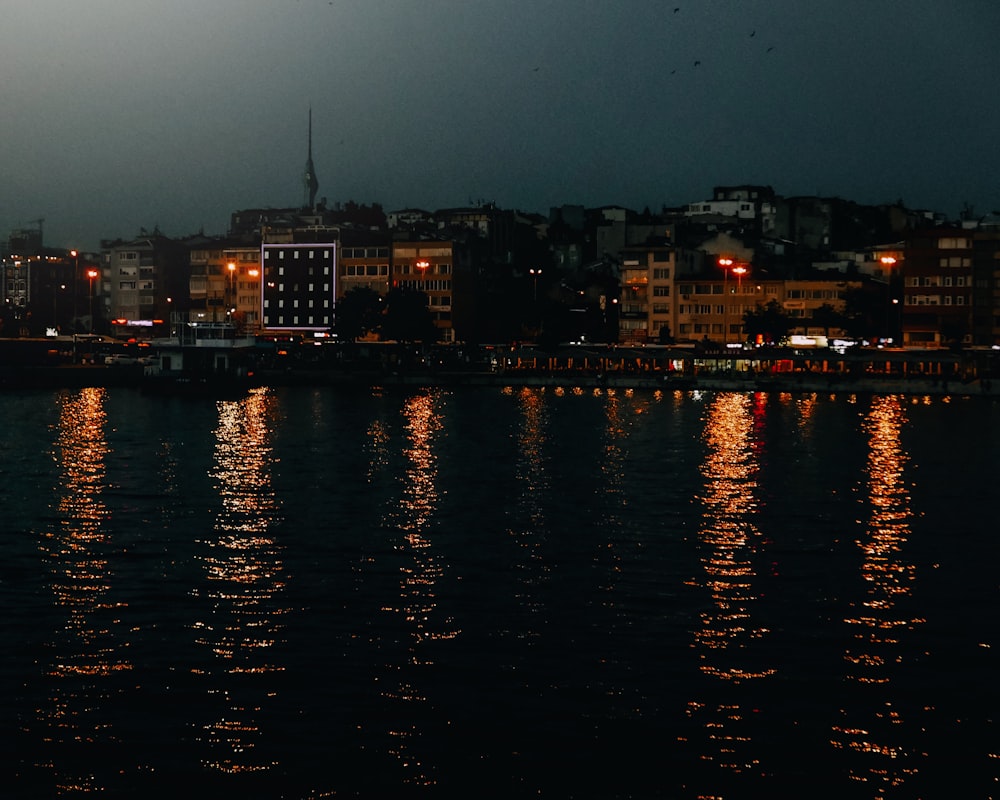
[363,262]
[225,284]
[428,266]
[142,280]
[712,307]
[938,288]
[645,312]
[299,285]
[815,306]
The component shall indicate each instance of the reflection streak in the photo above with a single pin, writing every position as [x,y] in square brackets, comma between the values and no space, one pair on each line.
[532,474]
[878,623]
[85,651]
[243,582]
[417,601]
[729,542]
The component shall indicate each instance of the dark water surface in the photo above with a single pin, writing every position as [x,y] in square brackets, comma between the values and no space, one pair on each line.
[499,593]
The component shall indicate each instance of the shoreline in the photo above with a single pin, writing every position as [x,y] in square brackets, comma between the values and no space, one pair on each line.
[78,377]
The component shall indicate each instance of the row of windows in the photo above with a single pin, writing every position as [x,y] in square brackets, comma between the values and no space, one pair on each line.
[294,320]
[427,286]
[939,280]
[430,269]
[814,294]
[705,308]
[295,303]
[422,252]
[362,270]
[310,287]
[955,261]
[295,254]
[934,300]
[326,270]
[364,252]
[717,288]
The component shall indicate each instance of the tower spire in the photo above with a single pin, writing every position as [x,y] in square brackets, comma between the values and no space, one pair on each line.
[309,179]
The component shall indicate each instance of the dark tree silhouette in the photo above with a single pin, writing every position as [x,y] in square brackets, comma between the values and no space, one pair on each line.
[826,316]
[407,317]
[769,322]
[359,312]
[864,311]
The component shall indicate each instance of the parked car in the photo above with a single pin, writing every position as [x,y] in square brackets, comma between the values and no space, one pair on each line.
[120,360]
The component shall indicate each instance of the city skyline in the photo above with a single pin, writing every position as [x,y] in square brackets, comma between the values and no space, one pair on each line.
[175,115]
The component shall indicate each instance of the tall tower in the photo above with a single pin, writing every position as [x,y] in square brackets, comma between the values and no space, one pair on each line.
[309,179]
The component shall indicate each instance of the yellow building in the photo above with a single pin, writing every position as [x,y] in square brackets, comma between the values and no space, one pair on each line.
[427,266]
[225,285]
[646,301]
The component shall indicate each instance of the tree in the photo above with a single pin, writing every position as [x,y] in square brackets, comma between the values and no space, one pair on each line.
[769,322]
[863,311]
[359,312]
[826,317]
[407,318]
[953,333]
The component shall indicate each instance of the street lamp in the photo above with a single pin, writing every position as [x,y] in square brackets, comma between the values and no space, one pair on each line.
[739,271]
[534,275]
[55,306]
[229,296]
[76,275]
[92,273]
[725,263]
[887,263]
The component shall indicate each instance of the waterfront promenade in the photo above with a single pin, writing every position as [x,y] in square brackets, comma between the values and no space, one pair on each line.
[77,377]
[870,370]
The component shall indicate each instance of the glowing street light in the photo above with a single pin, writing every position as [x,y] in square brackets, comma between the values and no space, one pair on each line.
[535,272]
[725,262]
[229,297]
[739,270]
[888,262]
[76,274]
[91,274]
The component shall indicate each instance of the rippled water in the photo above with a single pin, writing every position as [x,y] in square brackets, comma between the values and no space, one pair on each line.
[498,593]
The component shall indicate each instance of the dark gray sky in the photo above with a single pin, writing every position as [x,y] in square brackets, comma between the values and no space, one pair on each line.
[120,115]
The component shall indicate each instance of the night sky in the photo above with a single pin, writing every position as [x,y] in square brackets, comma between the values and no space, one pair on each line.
[173,113]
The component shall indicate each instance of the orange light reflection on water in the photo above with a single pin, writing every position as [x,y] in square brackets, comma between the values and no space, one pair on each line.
[729,541]
[875,656]
[417,601]
[531,472]
[85,650]
[243,583]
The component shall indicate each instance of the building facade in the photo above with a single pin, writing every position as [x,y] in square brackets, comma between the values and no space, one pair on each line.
[299,286]
[140,281]
[938,288]
[225,284]
[428,266]
[646,300]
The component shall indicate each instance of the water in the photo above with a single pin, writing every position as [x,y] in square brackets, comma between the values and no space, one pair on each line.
[498,593]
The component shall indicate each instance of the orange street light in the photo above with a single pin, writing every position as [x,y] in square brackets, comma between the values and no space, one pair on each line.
[888,262]
[725,262]
[535,272]
[91,274]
